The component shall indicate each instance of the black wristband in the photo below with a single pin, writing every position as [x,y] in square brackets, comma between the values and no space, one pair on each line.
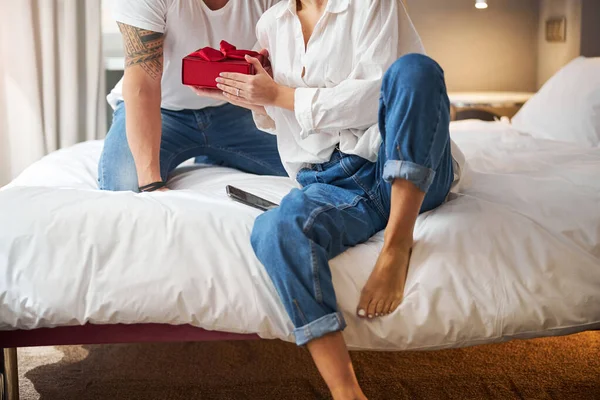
[151,187]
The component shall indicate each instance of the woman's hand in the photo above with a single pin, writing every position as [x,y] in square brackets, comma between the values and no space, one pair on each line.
[218,95]
[259,89]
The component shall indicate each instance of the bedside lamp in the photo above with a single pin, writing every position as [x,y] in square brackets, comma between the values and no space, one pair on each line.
[481,4]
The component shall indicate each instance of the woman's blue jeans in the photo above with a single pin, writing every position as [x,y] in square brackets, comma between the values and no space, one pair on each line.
[347,200]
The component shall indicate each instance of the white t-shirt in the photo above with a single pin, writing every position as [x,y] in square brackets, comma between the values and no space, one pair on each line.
[189,25]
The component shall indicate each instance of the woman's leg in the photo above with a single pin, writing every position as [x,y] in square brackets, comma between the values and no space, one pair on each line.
[295,243]
[332,359]
[415,163]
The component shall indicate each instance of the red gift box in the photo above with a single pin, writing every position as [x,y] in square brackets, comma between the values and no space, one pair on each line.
[202,67]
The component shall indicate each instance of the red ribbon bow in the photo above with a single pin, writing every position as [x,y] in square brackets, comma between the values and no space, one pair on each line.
[228,52]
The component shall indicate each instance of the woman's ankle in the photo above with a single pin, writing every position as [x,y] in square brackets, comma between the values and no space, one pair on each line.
[352,392]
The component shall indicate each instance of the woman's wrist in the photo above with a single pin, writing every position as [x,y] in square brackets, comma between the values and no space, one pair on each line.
[284,97]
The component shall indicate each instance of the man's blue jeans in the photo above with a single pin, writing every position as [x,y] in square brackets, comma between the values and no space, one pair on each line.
[224,135]
[347,200]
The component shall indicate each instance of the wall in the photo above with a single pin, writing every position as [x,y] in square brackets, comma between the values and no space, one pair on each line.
[492,49]
[553,56]
[590,28]
[5,169]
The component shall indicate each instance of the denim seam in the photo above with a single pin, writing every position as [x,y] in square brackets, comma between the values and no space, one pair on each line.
[311,218]
[200,124]
[301,314]
[436,126]
[315,273]
[258,161]
[353,176]
[439,115]
[376,199]
[169,160]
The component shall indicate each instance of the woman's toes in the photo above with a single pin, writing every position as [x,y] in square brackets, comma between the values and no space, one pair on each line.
[386,307]
[395,305]
[379,308]
[363,304]
[371,309]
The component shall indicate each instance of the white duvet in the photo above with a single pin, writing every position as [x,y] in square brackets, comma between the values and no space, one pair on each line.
[516,254]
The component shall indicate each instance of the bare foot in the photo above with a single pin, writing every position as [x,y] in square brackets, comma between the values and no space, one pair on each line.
[383,291]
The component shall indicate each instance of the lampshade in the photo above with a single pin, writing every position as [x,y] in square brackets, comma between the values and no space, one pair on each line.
[481,4]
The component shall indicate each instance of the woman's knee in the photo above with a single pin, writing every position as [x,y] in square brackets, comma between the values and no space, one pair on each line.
[413,70]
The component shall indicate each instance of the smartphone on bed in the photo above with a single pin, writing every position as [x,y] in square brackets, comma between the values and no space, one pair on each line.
[249,199]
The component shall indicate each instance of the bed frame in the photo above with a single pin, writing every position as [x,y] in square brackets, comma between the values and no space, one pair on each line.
[94,334]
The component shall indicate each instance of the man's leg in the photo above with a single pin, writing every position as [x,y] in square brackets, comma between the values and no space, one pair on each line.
[116,169]
[181,140]
[415,163]
[233,140]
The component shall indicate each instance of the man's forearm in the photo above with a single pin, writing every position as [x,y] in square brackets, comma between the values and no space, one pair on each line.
[142,95]
[144,131]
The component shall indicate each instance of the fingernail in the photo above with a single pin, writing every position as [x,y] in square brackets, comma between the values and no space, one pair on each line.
[219,86]
[370,316]
[219,80]
[222,74]
[377,314]
[361,313]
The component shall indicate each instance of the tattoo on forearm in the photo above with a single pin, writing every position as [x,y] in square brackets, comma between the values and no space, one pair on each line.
[143,48]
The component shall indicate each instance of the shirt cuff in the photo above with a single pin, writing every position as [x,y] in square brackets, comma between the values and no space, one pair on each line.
[303,101]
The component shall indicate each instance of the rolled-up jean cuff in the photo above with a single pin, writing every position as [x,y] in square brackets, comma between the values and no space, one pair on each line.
[421,177]
[328,324]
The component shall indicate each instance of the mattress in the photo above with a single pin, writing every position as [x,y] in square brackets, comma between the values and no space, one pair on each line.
[515,254]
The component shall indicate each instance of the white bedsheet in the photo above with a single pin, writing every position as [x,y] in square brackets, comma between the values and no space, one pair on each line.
[516,254]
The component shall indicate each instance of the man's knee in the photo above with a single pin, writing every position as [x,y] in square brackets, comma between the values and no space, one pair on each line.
[116,174]
[116,168]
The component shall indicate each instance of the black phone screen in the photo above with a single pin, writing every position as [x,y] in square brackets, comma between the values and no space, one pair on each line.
[249,199]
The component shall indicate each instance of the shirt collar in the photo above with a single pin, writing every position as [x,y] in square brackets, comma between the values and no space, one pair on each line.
[333,7]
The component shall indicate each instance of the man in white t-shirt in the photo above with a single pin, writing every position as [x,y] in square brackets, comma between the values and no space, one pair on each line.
[158,122]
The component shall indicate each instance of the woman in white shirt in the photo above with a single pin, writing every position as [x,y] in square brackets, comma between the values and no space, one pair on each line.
[370,149]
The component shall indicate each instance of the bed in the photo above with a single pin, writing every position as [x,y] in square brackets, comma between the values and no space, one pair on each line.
[515,254]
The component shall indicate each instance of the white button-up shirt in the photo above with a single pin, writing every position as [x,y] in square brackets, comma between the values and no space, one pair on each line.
[337,76]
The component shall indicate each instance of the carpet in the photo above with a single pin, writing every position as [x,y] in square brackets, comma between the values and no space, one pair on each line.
[549,368]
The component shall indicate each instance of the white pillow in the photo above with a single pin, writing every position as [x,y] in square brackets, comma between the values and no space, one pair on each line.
[567,107]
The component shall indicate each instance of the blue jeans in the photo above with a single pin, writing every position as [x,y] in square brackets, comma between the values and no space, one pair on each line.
[224,135]
[345,201]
